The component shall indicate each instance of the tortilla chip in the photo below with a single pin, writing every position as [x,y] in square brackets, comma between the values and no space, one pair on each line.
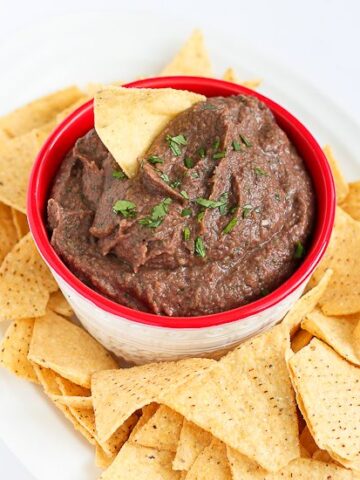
[342,296]
[101,459]
[162,431]
[73,401]
[128,119]
[307,441]
[38,112]
[140,386]
[335,331]
[58,304]
[356,339]
[249,383]
[16,160]
[146,413]
[68,350]
[14,349]
[211,463]
[7,231]
[306,303]
[231,76]
[304,453]
[351,204]
[141,463]
[341,185]
[25,282]
[301,468]
[301,339]
[71,108]
[192,59]
[193,440]
[327,388]
[322,456]
[20,222]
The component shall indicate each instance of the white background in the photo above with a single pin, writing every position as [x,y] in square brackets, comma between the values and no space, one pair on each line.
[317,39]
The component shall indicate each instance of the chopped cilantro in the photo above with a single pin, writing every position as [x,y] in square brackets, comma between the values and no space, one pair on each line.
[164,177]
[186,212]
[246,210]
[207,203]
[229,227]
[208,106]
[299,250]
[194,175]
[260,172]
[245,141]
[157,215]
[200,216]
[175,143]
[219,155]
[154,159]
[184,194]
[236,146]
[277,196]
[200,247]
[188,162]
[216,143]
[201,152]
[186,233]
[119,174]
[224,197]
[125,208]
[175,184]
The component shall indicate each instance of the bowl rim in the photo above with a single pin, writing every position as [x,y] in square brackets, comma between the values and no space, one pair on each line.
[295,281]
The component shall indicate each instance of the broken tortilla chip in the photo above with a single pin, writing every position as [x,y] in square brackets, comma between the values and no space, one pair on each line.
[141,463]
[25,282]
[351,204]
[193,440]
[127,120]
[192,59]
[14,349]
[7,231]
[231,76]
[162,431]
[211,463]
[58,304]
[337,332]
[20,222]
[67,349]
[341,185]
[342,295]
[38,112]
[327,389]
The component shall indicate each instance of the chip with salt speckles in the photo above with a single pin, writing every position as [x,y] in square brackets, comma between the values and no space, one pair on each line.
[8,236]
[211,463]
[58,304]
[192,442]
[327,389]
[351,204]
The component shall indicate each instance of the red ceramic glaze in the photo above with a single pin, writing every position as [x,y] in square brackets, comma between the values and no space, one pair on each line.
[82,120]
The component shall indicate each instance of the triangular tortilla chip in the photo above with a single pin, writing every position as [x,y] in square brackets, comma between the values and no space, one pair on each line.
[73,401]
[38,112]
[117,394]
[68,350]
[342,296]
[356,339]
[341,185]
[192,59]
[14,349]
[161,431]
[306,303]
[8,236]
[20,222]
[211,463]
[25,282]
[146,413]
[58,304]
[351,204]
[141,463]
[128,119]
[327,389]
[231,76]
[301,468]
[193,440]
[335,331]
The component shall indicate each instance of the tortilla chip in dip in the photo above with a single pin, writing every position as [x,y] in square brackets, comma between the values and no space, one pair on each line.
[127,120]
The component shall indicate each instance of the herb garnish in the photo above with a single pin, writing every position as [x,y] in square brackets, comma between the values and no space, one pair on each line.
[260,172]
[277,196]
[230,226]
[201,152]
[154,159]
[184,194]
[219,155]
[208,106]
[224,197]
[245,141]
[119,174]
[164,176]
[175,184]
[200,247]
[200,216]
[186,212]
[236,146]
[186,233]
[216,143]
[188,162]
[207,203]
[246,210]
[299,250]
[157,215]
[194,175]
[125,208]
[175,143]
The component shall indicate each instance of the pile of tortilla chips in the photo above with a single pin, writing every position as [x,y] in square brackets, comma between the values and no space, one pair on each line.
[283,405]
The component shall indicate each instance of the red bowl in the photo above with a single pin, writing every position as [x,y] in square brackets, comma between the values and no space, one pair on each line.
[81,121]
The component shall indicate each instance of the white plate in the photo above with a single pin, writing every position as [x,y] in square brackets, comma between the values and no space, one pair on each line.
[103,48]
